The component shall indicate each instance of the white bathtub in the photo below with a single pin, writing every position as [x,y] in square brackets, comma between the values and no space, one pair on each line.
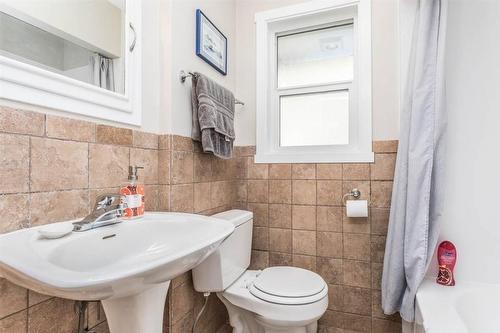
[463,308]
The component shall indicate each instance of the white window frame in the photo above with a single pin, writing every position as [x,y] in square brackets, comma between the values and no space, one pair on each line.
[30,84]
[304,17]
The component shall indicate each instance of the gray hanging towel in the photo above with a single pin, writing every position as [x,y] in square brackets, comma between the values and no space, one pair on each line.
[213,116]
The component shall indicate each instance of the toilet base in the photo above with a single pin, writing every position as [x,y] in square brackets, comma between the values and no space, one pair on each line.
[270,327]
[244,321]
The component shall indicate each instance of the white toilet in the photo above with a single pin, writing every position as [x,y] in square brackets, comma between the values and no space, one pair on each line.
[276,299]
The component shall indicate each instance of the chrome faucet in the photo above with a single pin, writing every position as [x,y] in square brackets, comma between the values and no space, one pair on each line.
[108,210]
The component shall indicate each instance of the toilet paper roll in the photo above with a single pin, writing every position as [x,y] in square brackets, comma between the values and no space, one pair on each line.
[357,208]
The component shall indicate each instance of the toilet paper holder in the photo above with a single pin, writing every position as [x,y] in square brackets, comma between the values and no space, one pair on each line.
[355,193]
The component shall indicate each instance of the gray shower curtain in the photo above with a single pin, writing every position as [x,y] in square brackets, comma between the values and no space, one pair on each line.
[417,198]
[102,73]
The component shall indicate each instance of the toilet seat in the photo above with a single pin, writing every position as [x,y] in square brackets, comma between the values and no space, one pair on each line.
[288,286]
[297,312]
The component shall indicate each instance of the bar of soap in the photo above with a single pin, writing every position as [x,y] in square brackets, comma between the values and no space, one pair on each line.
[55,230]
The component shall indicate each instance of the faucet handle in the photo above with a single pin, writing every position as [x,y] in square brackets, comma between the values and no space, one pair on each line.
[106,200]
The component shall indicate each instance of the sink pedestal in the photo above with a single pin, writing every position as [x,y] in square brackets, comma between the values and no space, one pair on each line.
[139,313]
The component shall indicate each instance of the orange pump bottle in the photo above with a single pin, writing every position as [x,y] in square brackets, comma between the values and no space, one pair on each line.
[133,194]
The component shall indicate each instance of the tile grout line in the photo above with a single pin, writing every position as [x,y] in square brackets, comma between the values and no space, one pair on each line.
[170,161]
[88,177]
[29,185]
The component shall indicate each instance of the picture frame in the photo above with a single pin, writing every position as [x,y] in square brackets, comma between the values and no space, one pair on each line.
[211,43]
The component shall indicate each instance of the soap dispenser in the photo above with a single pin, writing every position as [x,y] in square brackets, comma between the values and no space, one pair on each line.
[132,193]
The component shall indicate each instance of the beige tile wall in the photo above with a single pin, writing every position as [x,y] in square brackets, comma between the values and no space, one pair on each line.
[52,170]
[299,220]
[202,184]
[54,167]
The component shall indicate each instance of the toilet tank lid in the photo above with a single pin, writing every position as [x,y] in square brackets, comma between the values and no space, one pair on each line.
[235,216]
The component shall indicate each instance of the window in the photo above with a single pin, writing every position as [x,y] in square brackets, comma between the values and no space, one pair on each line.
[326,123]
[314,83]
[315,57]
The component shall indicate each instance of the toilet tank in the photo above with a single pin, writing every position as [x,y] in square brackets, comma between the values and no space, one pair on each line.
[219,270]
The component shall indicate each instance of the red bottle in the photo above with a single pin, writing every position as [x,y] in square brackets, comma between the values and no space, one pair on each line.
[447,257]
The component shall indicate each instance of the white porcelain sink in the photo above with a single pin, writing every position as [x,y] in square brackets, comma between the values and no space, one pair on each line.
[127,265]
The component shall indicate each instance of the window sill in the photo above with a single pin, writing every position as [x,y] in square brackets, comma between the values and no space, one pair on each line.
[361,157]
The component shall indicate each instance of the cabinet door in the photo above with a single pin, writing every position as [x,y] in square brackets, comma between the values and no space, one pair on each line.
[77,56]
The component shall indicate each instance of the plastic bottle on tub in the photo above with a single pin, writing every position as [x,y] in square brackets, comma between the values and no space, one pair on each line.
[447,258]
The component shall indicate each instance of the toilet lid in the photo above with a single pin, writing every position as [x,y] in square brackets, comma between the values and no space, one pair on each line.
[289,285]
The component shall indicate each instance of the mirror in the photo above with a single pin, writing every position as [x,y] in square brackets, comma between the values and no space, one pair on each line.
[80,39]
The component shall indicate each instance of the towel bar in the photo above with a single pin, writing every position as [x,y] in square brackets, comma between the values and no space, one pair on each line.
[183,76]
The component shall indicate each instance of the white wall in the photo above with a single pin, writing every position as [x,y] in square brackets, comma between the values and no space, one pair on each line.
[168,44]
[472,218]
[165,71]
[183,57]
[153,64]
[385,67]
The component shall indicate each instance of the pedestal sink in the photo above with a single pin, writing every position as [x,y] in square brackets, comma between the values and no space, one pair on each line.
[128,266]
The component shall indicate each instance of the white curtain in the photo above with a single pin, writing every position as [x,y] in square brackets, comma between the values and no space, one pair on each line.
[101,72]
[417,198]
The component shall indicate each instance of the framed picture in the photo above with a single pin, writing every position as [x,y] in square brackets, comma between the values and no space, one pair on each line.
[211,44]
